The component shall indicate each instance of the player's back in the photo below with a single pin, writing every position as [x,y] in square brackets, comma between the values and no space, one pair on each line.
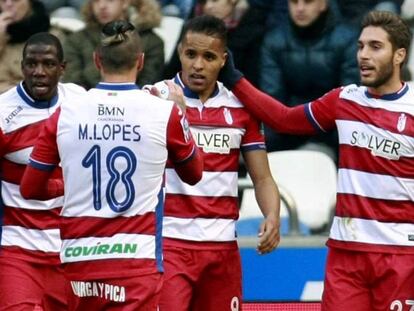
[112,146]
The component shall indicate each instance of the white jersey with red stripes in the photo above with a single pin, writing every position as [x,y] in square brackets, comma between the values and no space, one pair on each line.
[375,201]
[207,211]
[29,227]
[113,145]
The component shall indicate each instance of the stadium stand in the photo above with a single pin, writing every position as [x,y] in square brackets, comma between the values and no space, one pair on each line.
[307,181]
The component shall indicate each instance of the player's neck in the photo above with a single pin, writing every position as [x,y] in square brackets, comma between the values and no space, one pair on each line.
[125,77]
[389,87]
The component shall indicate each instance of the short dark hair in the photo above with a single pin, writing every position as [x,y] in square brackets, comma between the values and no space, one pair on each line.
[120,43]
[397,29]
[207,24]
[45,38]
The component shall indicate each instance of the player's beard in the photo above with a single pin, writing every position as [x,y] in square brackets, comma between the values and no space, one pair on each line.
[385,72]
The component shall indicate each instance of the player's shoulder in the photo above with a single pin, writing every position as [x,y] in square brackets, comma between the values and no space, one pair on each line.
[351,91]
[227,98]
[70,89]
[9,99]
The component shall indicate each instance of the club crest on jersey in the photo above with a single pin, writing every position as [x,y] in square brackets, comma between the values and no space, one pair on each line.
[186,128]
[227,116]
[402,120]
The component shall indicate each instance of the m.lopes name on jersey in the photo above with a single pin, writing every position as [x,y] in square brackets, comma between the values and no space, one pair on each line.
[125,132]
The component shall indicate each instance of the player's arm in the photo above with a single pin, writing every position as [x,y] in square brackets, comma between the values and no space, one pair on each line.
[299,120]
[268,199]
[3,143]
[182,150]
[36,182]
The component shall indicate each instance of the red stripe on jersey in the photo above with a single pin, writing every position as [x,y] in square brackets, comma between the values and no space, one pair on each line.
[349,205]
[13,172]
[184,206]
[361,159]
[107,268]
[31,219]
[381,118]
[171,243]
[79,227]
[24,137]
[214,162]
[39,257]
[374,248]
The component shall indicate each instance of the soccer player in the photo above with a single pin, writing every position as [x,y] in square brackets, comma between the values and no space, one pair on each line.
[113,144]
[371,244]
[202,260]
[30,272]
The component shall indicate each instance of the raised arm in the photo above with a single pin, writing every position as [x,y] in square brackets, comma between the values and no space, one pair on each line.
[263,107]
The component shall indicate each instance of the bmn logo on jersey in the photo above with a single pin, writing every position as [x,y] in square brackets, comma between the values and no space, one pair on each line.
[110,111]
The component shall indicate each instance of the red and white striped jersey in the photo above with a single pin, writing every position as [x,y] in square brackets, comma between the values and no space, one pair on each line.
[29,227]
[113,145]
[207,211]
[375,200]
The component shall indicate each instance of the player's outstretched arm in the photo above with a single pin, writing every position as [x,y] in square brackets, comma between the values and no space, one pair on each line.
[268,199]
[292,120]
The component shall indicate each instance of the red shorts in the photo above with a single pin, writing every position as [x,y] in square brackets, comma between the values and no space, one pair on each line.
[29,286]
[202,280]
[137,293]
[361,281]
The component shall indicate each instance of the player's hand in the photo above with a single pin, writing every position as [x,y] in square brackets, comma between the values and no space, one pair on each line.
[176,94]
[269,234]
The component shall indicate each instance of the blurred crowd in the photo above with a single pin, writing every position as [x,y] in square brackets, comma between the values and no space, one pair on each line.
[294,50]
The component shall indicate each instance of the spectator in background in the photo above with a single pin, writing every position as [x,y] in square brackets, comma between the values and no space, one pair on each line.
[310,55]
[145,15]
[68,8]
[19,19]
[277,11]
[178,8]
[246,26]
[353,11]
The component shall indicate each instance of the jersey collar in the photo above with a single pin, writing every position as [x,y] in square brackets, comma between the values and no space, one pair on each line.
[189,93]
[391,96]
[116,86]
[40,104]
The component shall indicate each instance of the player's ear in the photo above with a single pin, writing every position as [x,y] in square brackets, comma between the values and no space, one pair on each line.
[225,56]
[97,61]
[179,48]
[140,61]
[399,56]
